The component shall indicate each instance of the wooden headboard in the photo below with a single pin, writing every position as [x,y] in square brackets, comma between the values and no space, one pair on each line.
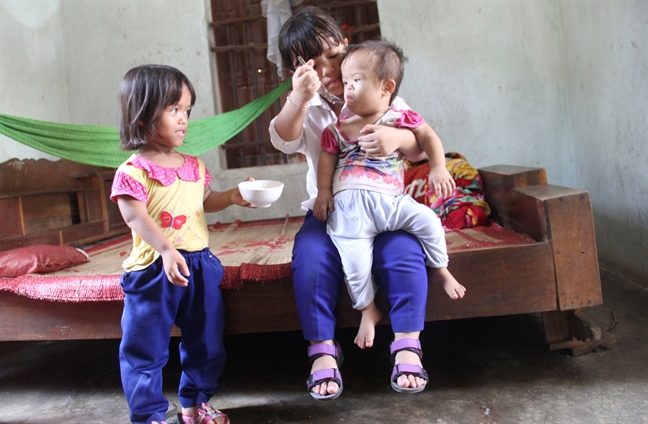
[56,202]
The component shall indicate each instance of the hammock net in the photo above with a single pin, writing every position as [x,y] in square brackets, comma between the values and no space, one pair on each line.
[99,145]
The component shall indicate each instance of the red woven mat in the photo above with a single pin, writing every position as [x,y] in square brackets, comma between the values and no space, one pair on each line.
[252,251]
[485,236]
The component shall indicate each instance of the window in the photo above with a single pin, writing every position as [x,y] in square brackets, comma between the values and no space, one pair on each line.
[244,73]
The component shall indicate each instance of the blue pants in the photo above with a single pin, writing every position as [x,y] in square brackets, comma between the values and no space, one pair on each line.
[151,306]
[398,268]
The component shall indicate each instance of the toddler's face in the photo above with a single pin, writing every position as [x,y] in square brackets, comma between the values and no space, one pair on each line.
[362,89]
[172,126]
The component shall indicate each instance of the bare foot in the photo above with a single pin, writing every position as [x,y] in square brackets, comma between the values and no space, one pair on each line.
[221,419]
[322,363]
[367,331]
[450,285]
[409,381]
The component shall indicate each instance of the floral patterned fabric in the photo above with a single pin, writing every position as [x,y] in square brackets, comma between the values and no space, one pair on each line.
[465,208]
[355,170]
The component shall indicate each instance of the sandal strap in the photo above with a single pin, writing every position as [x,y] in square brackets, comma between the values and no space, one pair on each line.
[409,369]
[321,349]
[413,345]
[329,374]
[204,414]
[405,344]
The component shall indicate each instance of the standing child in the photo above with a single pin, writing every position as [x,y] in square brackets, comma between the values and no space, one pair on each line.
[364,193]
[170,277]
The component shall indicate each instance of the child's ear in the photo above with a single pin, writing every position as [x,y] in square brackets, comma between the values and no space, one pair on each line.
[388,87]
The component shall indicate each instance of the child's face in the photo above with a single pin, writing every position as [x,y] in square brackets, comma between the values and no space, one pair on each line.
[363,92]
[172,126]
[327,66]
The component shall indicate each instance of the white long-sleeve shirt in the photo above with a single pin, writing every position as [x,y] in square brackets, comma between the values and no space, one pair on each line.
[319,116]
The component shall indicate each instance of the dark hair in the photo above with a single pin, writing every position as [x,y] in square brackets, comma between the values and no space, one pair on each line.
[144,94]
[386,59]
[302,35]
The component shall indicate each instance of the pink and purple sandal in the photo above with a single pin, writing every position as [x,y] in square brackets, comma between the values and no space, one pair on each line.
[413,345]
[204,415]
[325,375]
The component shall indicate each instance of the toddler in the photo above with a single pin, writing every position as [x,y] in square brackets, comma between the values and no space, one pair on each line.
[170,277]
[364,194]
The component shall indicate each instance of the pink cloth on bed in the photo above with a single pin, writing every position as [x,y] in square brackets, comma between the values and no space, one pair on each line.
[249,251]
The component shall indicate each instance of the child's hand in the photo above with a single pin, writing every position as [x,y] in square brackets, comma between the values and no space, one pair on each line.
[441,181]
[175,267]
[323,204]
[305,84]
[237,199]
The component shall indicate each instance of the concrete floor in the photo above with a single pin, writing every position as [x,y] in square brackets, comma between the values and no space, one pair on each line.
[489,370]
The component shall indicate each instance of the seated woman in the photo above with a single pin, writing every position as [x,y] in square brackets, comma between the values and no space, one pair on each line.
[317,269]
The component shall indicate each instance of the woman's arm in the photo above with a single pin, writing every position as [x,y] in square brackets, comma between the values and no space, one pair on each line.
[137,218]
[290,120]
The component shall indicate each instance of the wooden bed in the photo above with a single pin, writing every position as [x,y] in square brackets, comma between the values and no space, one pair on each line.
[556,274]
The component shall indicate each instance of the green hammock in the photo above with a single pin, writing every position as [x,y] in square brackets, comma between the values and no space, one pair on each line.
[99,145]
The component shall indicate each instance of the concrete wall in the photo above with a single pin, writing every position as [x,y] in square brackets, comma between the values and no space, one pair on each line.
[62,61]
[489,78]
[559,84]
[32,69]
[605,51]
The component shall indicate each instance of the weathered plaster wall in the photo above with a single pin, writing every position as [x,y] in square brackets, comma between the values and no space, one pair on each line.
[489,78]
[561,85]
[32,68]
[558,84]
[606,57]
[62,61]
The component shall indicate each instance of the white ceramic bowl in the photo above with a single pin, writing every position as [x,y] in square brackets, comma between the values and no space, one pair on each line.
[261,193]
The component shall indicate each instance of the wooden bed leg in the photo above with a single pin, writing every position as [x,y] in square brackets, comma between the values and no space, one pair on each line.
[577,331]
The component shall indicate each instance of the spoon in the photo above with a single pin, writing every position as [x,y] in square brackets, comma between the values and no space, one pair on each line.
[332,98]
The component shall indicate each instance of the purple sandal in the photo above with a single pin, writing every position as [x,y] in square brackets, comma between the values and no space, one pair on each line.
[325,375]
[413,345]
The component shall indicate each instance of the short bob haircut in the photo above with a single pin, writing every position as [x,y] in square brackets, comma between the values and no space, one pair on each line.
[385,59]
[144,94]
[302,35]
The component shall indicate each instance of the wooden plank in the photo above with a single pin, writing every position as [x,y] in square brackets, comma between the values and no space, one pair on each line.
[18,176]
[499,281]
[83,233]
[526,214]
[50,212]
[576,330]
[22,318]
[568,214]
[270,306]
[499,180]
[261,307]
[11,213]
[49,238]
[556,326]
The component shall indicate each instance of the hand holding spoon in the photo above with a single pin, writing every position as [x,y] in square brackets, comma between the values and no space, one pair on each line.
[332,98]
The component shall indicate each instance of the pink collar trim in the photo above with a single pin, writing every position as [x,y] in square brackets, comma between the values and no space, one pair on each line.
[189,171]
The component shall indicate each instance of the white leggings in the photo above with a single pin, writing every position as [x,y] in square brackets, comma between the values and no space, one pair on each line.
[360,215]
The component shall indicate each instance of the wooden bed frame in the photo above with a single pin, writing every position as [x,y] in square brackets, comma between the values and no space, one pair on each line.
[64,202]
